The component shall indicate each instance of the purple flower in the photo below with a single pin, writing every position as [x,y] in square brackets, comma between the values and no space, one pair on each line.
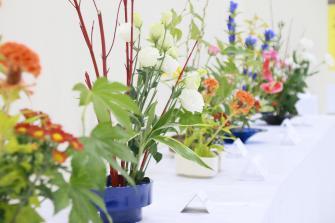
[232,38]
[244,88]
[250,42]
[269,35]
[254,76]
[233,7]
[265,46]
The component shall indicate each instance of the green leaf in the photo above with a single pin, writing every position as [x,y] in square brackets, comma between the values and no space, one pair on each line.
[85,94]
[125,102]
[195,31]
[107,131]
[181,149]
[121,116]
[61,199]
[101,109]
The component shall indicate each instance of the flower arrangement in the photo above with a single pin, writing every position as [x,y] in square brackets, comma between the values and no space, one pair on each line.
[131,142]
[35,153]
[232,67]
[284,80]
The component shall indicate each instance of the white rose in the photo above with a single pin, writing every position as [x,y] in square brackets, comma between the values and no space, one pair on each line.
[306,43]
[166,18]
[137,20]
[173,52]
[192,80]
[329,60]
[192,100]
[148,57]
[124,31]
[170,65]
[168,41]
[156,31]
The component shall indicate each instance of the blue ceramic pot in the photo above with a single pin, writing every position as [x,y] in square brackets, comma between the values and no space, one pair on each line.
[242,133]
[124,204]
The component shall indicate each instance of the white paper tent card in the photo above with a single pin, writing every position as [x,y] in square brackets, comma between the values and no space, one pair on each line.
[254,170]
[237,149]
[197,204]
[291,135]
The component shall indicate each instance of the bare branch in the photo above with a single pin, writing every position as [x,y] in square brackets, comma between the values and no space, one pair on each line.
[92,30]
[115,29]
[71,3]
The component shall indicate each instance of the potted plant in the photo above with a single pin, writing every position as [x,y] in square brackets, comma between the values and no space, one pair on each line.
[227,63]
[34,151]
[285,80]
[129,128]
[202,131]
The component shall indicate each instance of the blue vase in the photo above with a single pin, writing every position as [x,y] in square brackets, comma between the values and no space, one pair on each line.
[124,204]
[242,133]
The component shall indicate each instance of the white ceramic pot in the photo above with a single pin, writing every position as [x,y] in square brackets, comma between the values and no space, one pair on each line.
[188,168]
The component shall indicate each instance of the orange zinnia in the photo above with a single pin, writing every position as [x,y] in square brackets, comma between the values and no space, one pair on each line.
[59,157]
[211,85]
[22,128]
[36,132]
[243,102]
[17,59]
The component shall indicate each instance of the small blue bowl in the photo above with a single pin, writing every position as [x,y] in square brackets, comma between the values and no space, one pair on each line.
[242,133]
[124,204]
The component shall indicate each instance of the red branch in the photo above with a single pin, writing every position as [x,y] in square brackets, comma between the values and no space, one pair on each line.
[125,3]
[103,45]
[88,80]
[86,37]
[131,43]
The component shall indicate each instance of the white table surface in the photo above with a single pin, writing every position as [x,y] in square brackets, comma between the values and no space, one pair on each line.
[299,188]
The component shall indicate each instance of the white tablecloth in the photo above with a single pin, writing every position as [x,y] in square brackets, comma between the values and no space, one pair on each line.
[299,188]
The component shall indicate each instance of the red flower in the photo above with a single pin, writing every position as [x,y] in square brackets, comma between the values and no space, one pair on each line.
[273,87]
[36,132]
[76,144]
[59,157]
[59,136]
[267,73]
[22,128]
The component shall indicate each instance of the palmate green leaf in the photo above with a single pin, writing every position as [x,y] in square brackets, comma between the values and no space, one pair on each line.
[107,131]
[61,199]
[180,149]
[108,97]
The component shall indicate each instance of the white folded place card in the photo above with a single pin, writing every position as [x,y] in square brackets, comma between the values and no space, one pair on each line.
[291,135]
[254,170]
[241,148]
[197,203]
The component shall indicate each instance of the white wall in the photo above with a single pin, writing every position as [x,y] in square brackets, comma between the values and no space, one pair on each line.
[51,28]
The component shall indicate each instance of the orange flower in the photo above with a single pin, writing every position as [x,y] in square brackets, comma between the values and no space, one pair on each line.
[22,128]
[75,144]
[257,105]
[242,103]
[36,132]
[17,59]
[59,157]
[27,113]
[59,136]
[211,85]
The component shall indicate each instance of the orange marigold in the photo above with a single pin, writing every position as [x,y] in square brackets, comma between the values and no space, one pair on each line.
[22,128]
[19,58]
[242,103]
[59,157]
[36,132]
[211,85]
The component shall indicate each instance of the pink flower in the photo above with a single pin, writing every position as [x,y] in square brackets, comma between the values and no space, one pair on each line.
[270,55]
[273,87]
[267,73]
[213,50]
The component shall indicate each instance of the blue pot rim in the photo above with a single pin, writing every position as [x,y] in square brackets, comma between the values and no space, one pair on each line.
[128,187]
[247,130]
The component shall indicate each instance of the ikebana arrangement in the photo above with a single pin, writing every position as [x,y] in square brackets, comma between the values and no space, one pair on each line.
[211,103]
[129,128]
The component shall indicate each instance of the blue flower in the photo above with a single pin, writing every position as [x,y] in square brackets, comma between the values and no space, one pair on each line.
[244,88]
[269,35]
[254,76]
[250,42]
[245,71]
[265,46]
[231,24]
[233,7]
[232,38]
